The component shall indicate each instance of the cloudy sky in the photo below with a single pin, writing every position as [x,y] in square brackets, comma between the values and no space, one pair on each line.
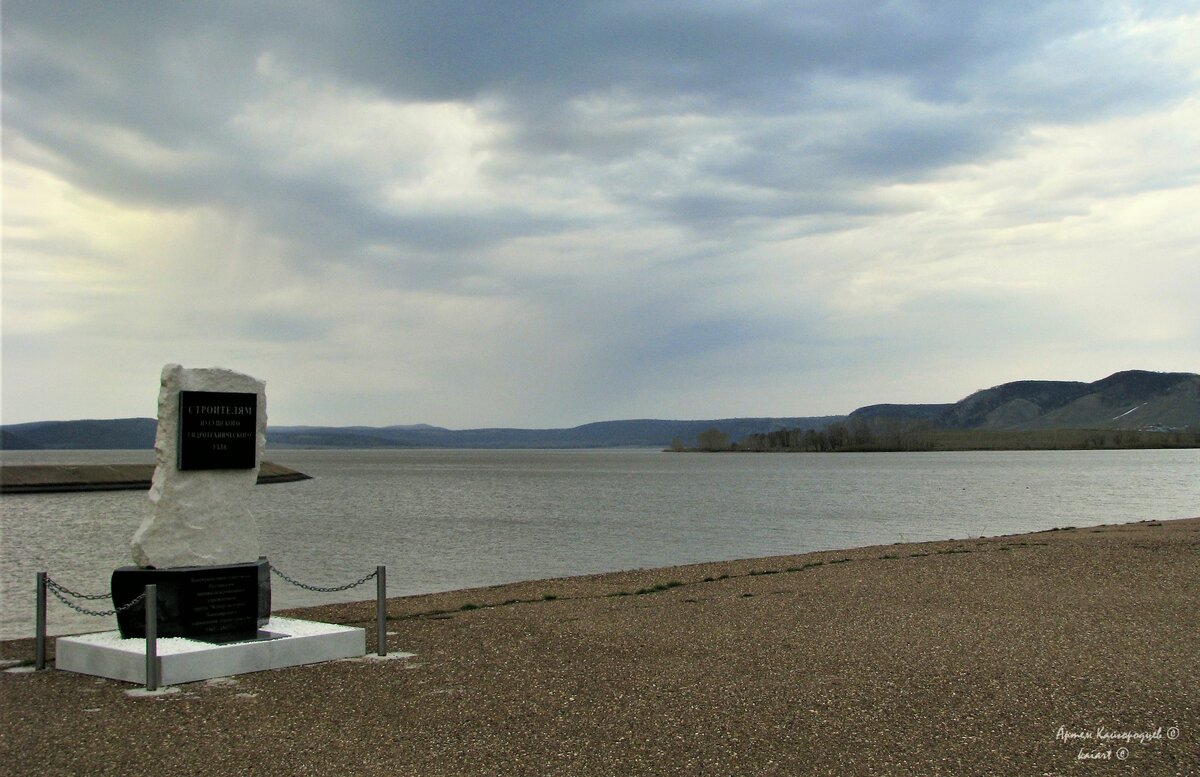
[548,213]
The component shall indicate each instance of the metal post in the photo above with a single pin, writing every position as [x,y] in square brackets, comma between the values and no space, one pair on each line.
[381,610]
[40,617]
[151,605]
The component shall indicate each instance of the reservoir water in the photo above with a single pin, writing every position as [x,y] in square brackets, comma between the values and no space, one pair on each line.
[450,519]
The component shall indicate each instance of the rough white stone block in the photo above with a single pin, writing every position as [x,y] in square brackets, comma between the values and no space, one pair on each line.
[199,518]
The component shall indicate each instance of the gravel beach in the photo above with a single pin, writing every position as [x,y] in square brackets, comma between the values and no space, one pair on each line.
[1074,652]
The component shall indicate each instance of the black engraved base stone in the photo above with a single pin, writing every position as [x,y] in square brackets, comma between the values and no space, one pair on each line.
[226,603]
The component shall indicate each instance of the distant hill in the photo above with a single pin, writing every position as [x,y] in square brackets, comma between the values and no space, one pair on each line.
[652,433]
[112,434]
[138,433]
[901,412]
[1131,400]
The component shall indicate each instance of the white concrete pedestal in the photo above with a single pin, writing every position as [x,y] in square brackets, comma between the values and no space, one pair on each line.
[296,642]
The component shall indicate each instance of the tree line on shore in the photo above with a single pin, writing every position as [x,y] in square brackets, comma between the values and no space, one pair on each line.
[889,434]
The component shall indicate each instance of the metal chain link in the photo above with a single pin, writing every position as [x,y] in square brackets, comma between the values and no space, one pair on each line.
[321,589]
[59,590]
[54,584]
[99,613]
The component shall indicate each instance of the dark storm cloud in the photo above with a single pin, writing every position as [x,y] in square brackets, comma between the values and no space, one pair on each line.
[750,54]
[574,192]
[175,74]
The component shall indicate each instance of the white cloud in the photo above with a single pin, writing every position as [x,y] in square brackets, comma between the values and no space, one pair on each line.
[413,155]
[606,211]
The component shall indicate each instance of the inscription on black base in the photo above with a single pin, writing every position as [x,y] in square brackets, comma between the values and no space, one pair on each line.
[225,603]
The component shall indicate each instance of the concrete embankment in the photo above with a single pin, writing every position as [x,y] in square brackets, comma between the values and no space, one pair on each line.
[50,478]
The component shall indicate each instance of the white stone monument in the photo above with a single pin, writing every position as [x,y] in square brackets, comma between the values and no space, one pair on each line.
[200,515]
[199,549]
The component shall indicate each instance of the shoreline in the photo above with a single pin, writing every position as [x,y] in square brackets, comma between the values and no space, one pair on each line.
[641,581]
[940,657]
[621,583]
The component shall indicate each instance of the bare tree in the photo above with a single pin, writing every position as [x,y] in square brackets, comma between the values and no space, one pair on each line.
[713,440]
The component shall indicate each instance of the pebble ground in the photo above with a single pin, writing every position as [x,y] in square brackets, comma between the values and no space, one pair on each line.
[1069,652]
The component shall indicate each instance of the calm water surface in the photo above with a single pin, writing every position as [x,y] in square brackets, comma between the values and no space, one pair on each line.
[449,519]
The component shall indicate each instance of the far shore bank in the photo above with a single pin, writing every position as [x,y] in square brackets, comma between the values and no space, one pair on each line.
[999,655]
[922,438]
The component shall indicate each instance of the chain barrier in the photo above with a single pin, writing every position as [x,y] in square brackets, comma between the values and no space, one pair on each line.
[322,589]
[52,583]
[61,592]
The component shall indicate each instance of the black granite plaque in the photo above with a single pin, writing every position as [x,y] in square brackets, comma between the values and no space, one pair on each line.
[225,603]
[217,430]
